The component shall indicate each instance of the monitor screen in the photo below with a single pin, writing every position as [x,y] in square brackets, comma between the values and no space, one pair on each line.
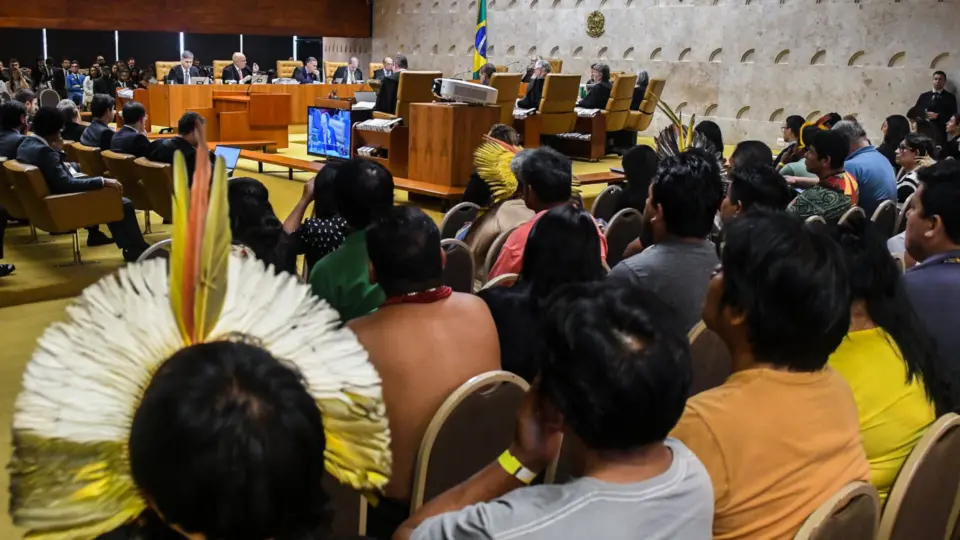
[328,132]
[230,156]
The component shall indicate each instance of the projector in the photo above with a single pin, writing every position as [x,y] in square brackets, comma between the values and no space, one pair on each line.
[466,92]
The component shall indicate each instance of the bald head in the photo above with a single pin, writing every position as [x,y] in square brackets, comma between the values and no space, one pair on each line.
[239,60]
[354,62]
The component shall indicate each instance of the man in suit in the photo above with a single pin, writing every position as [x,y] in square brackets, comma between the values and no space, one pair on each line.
[13,124]
[238,72]
[390,86]
[531,100]
[42,151]
[131,138]
[99,134]
[938,104]
[386,70]
[308,74]
[185,72]
[528,74]
[72,128]
[599,93]
[348,74]
[133,69]
[163,150]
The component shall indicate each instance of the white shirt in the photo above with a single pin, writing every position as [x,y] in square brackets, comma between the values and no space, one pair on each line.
[350,73]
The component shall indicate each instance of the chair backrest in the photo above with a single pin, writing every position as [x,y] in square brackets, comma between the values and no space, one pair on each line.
[850,213]
[556,64]
[89,159]
[507,85]
[618,106]
[922,501]
[469,430]
[557,102]
[457,217]
[885,217]
[622,229]
[157,181]
[850,514]
[901,223]
[415,87]
[494,252]
[162,245]
[643,117]
[374,66]
[285,68]
[218,66]
[69,148]
[162,68]
[712,363]
[49,98]
[605,205]
[8,197]
[330,67]
[349,520]
[123,168]
[503,280]
[458,272]
[31,190]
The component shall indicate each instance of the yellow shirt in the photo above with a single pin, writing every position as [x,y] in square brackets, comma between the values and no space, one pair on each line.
[777,444]
[893,414]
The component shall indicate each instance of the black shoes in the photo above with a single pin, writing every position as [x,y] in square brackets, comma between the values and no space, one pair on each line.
[6,269]
[97,238]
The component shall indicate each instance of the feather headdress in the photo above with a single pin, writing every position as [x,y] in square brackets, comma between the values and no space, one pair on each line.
[677,138]
[70,472]
[493,159]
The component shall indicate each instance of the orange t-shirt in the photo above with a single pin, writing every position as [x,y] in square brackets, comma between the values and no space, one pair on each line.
[777,444]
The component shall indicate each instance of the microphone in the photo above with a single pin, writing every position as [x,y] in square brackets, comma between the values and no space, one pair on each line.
[512,64]
[462,73]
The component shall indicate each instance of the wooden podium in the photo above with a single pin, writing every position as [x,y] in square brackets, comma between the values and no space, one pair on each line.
[169,101]
[248,117]
[443,137]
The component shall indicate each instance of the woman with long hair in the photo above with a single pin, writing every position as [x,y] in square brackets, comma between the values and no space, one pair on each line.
[894,129]
[18,81]
[887,357]
[914,152]
[563,248]
[323,233]
[255,226]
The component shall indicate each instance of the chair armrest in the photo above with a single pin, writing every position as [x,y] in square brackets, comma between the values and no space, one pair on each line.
[77,210]
[384,116]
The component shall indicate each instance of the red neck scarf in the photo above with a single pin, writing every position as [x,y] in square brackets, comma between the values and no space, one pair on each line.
[428,296]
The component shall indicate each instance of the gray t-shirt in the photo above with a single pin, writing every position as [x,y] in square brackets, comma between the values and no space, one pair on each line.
[677,272]
[677,505]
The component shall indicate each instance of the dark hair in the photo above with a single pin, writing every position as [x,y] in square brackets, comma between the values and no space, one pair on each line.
[915,113]
[48,121]
[759,186]
[189,122]
[831,144]
[897,128]
[941,73]
[940,195]
[921,143]
[710,130]
[689,188]
[563,247]
[639,166]
[364,191]
[404,249]
[832,119]
[548,173]
[11,112]
[400,61]
[505,133]
[101,104]
[929,130]
[133,112]
[24,95]
[790,282]
[750,153]
[228,442]
[604,70]
[615,363]
[324,192]
[488,69]
[956,117]
[808,133]
[253,222]
[14,61]
[795,123]
[875,279]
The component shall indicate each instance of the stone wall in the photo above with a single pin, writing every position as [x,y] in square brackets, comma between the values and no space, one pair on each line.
[342,49]
[745,64]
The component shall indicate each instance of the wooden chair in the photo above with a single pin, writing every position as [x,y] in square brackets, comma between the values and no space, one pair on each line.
[494,252]
[89,159]
[503,280]
[157,181]
[415,87]
[218,67]
[62,213]
[162,68]
[922,502]
[556,64]
[10,201]
[850,514]
[885,217]
[560,94]
[623,228]
[69,148]
[900,224]
[373,67]
[285,68]
[469,430]
[49,98]
[329,68]
[618,106]
[507,85]
[125,170]
[641,119]
[856,210]
[711,359]
[456,218]
[605,205]
[458,272]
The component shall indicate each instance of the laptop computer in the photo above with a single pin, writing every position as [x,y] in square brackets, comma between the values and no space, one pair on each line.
[260,78]
[230,157]
[365,97]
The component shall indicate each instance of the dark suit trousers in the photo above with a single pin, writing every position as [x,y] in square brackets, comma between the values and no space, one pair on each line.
[4,216]
[126,232]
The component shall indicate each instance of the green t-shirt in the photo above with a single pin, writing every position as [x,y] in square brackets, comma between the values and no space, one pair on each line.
[797,168]
[342,279]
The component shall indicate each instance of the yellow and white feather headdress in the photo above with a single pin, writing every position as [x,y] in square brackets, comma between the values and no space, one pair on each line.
[495,164]
[70,472]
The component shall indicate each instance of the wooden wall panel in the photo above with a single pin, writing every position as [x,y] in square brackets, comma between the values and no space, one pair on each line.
[343,18]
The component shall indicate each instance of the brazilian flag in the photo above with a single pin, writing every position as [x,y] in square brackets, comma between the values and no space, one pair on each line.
[480,43]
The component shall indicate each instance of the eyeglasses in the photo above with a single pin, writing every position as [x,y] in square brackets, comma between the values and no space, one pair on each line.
[905,148]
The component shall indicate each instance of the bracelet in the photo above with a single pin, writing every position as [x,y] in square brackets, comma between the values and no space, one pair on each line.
[514,468]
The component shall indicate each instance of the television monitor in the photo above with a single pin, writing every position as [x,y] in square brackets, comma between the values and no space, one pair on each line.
[328,132]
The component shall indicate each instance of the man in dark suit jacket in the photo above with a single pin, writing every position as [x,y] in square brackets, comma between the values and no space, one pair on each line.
[72,128]
[599,94]
[163,150]
[99,134]
[13,122]
[131,138]
[185,72]
[531,100]
[938,104]
[42,151]
[238,72]
[348,74]
[386,70]
[390,87]
[308,74]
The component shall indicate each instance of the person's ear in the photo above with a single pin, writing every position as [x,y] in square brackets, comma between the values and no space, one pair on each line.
[658,215]
[936,227]
[372,273]
[735,317]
